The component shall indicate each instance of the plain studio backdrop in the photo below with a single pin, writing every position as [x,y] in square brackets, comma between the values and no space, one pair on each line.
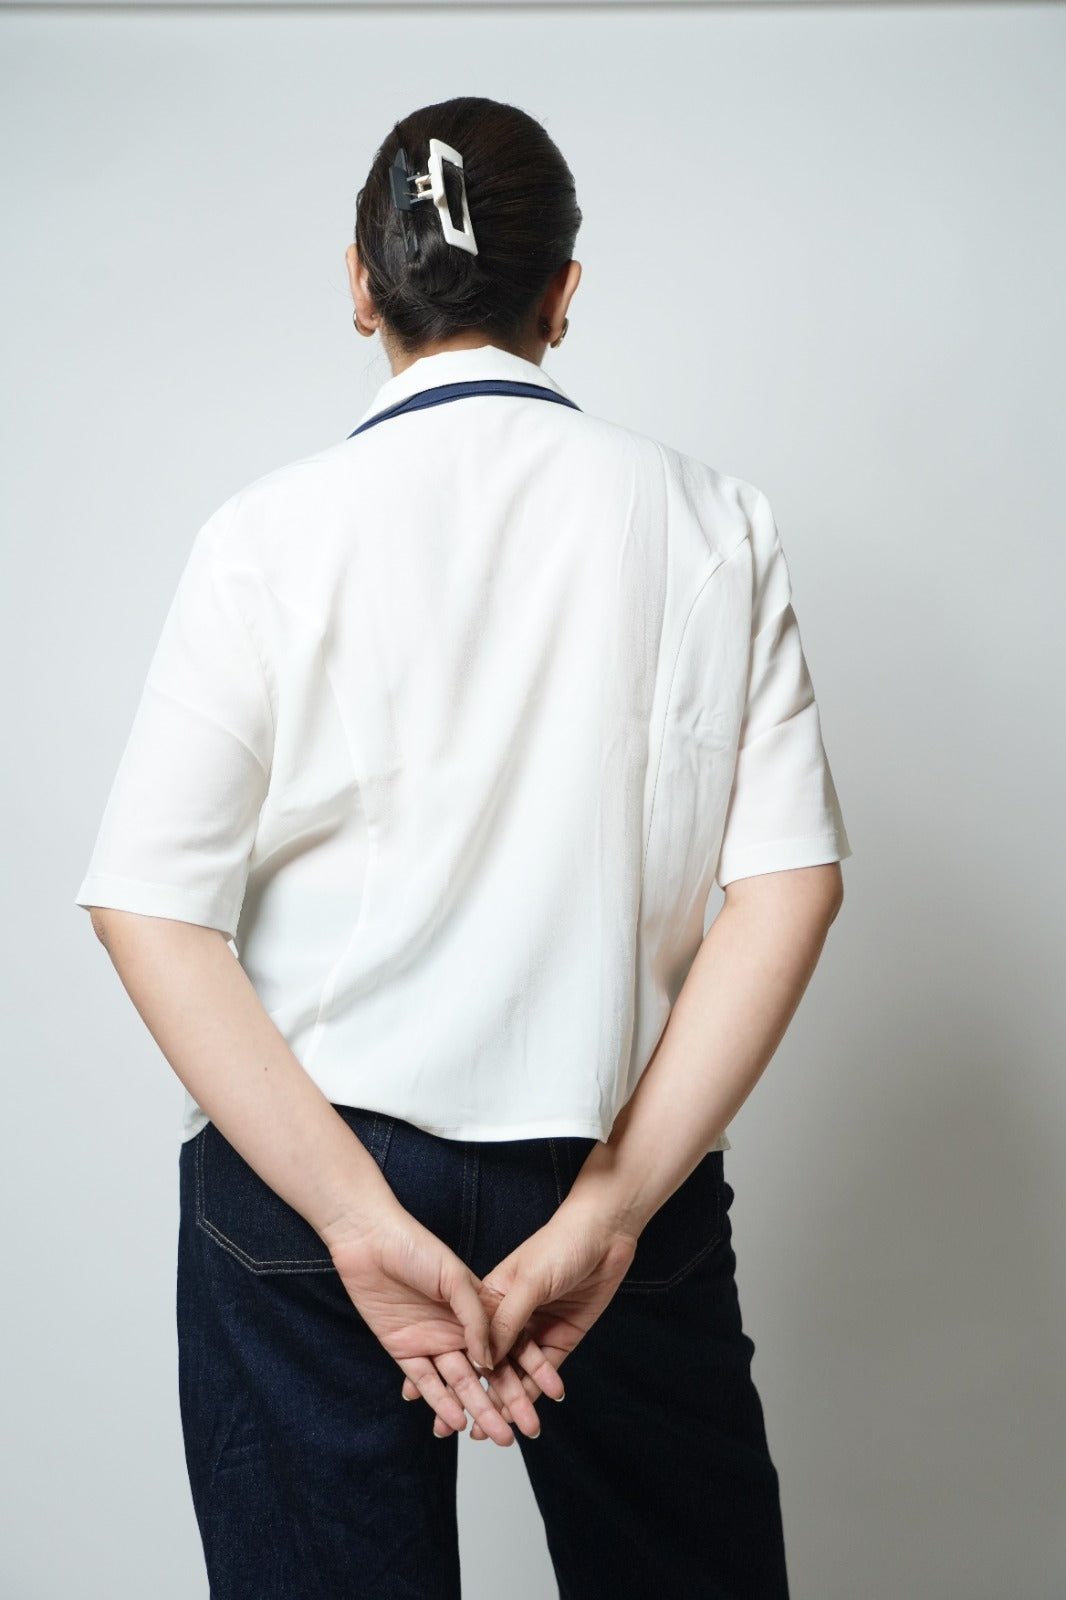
[823,250]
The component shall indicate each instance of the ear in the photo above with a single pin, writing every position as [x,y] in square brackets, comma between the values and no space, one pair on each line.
[358,279]
[573,278]
[356,272]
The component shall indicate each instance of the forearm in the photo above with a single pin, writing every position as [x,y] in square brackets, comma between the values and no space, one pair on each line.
[200,1007]
[737,1000]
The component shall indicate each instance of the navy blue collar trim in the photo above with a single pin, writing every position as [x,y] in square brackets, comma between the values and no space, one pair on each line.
[444,392]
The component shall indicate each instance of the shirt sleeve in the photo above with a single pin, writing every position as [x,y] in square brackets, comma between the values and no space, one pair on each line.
[783,808]
[182,815]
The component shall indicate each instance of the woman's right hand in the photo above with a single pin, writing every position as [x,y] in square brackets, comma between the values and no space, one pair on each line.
[545,1296]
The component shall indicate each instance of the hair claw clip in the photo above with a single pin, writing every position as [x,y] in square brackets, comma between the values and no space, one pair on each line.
[409,188]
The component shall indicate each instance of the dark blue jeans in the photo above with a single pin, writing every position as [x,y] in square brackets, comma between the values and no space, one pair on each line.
[313,1479]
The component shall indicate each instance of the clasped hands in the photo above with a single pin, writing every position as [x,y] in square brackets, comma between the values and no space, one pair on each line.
[446,1328]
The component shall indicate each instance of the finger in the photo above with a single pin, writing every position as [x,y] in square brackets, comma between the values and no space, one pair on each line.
[490,1294]
[501,1385]
[461,1288]
[432,1387]
[533,1364]
[510,1391]
[540,1366]
[411,1391]
[499,1389]
[463,1380]
[517,1383]
[514,1383]
[476,1430]
[541,1374]
[511,1316]
[505,1411]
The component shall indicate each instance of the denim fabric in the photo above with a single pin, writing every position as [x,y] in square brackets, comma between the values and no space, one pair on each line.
[313,1479]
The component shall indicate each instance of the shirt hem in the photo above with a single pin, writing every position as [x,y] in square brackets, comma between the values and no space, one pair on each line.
[484,1133]
[154,900]
[778,855]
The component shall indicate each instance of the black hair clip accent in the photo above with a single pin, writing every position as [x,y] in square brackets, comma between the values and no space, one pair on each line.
[403,200]
[402,197]
[408,189]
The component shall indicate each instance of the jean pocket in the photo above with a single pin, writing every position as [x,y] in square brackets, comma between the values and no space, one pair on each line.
[687,1227]
[249,1219]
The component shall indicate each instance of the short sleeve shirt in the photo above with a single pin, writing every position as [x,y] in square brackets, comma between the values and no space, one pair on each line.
[451,727]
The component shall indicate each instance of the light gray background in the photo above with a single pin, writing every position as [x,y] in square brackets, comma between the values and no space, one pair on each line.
[823,250]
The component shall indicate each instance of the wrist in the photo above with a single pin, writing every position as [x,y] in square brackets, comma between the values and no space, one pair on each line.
[360,1216]
[605,1189]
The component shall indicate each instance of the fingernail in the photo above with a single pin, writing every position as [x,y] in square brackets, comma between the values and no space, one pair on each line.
[409,1397]
[559,1396]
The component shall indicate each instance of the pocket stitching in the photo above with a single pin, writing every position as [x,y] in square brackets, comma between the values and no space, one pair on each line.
[652,1285]
[280,1264]
[388,1122]
[555,1164]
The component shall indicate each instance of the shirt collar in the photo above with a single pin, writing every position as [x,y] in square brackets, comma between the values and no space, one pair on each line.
[458,366]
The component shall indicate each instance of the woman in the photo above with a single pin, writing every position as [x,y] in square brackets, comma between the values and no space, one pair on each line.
[449,731]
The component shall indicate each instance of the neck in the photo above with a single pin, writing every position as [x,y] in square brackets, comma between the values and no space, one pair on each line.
[400,360]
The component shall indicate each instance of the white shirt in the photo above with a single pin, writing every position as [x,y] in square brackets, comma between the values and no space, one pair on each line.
[450,728]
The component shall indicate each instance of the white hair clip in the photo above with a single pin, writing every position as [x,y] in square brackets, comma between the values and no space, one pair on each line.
[408,188]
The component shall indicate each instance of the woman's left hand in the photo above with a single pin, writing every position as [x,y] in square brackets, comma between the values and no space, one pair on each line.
[428,1310]
[548,1292]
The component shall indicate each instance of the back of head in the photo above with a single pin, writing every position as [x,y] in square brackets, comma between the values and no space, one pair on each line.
[523,212]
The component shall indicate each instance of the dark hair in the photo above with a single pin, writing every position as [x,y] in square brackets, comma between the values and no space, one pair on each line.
[523,212]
